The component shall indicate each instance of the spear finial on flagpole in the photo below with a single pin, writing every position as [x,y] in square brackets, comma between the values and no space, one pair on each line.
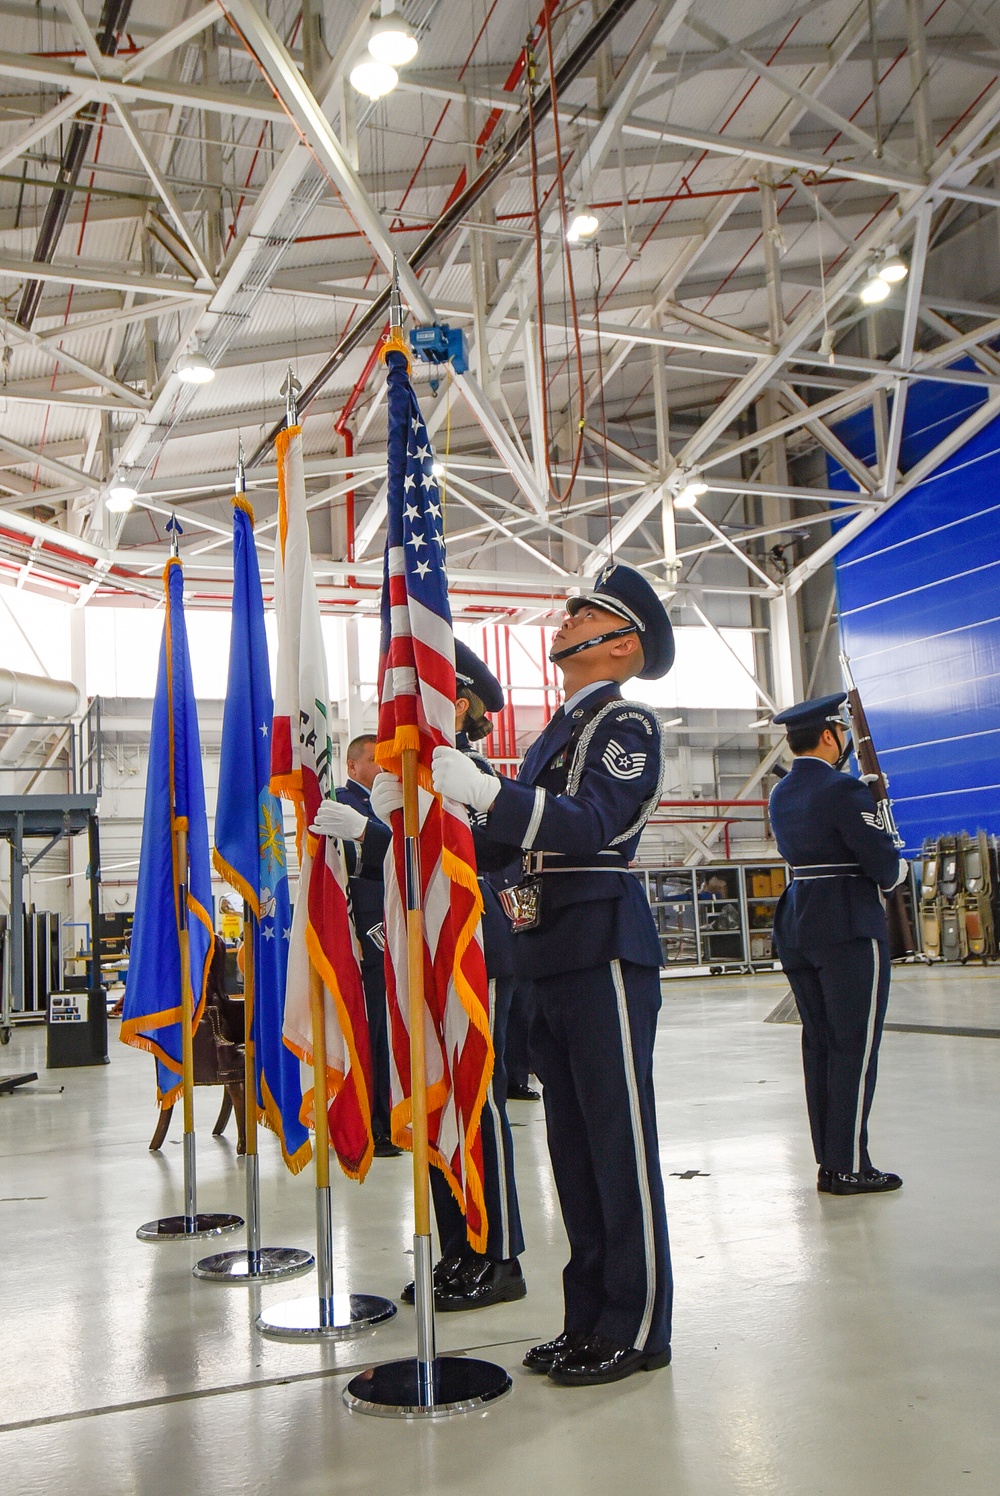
[175,532]
[394,342]
[290,389]
[241,470]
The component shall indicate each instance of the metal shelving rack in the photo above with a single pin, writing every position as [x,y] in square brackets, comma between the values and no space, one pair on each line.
[716,917]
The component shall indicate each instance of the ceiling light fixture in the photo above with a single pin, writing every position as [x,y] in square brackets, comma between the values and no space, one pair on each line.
[584,225]
[893,268]
[373,79]
[875,289]
[120,497]
[393,40]
[438,469]
[194,368]
[688,496]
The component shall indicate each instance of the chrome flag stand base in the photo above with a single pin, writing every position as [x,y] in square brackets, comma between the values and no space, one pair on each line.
[340,1317]
[191,1224]
[266,1265]
[186,1228]
[397,1389]
[426,1385]
[329,1316]
[256,1264]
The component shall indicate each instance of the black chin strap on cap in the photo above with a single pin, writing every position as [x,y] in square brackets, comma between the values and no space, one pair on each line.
[848,747]
[574,649]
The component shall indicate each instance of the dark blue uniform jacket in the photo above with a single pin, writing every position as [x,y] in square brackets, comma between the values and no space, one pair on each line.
[498,941]
[586,801]
[826,824]
[368,887]
[366,890]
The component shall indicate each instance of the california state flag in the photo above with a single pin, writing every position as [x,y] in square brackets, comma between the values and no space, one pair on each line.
[321,937]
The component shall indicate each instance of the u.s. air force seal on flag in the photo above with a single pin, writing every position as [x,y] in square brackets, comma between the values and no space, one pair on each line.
[621,764]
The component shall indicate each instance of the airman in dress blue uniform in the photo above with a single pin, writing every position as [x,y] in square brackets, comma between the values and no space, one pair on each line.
[588,942]
[831,936]
[367,893]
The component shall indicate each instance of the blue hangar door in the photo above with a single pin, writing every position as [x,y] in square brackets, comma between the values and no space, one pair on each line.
[919,602]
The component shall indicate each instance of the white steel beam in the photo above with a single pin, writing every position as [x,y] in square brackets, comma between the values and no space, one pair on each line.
[109,277]
[177,36]
[45,342]
[56,116]
[63,77]
[159,181]
[319,133]
[914,285]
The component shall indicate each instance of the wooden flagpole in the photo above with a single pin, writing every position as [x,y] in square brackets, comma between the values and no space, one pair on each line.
[250,1095]
[422,1268]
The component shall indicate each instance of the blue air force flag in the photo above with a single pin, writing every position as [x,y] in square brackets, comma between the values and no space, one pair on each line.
[175,800]
[250,843]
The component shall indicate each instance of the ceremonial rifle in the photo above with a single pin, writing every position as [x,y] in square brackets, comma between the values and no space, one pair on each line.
[901,938]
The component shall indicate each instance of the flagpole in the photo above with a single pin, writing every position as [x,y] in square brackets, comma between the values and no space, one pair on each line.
[429,1386]
[251,1161]
[422,1258]
[330,1316]
[191,1223]
[257,1264]
[187,1032]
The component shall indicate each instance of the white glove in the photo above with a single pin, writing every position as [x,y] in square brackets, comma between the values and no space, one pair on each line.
[457,778]
[335,819]
[387,796]
[904,868]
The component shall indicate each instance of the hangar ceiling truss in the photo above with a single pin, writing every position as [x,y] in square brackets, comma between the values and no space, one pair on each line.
[185,178]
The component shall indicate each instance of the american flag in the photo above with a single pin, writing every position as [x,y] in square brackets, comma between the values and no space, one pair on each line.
[417,710]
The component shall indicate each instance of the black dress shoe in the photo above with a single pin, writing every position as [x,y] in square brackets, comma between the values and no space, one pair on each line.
[522,1093]
[823,1181]
[386,1148]
[544,1357]
[482,1282]
[868,1182]
[445,1272]
[600,1360]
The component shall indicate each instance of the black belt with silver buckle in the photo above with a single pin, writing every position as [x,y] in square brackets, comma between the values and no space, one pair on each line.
[814,872]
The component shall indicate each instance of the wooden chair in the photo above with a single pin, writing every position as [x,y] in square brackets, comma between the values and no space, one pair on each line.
[218,1057]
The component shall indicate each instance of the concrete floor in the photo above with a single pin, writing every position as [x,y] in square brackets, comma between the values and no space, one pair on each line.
[822,1347]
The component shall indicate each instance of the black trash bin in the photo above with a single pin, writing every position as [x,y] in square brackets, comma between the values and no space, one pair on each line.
[77,1028]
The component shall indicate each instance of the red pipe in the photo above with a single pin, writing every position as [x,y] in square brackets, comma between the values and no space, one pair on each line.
[509,709]
[718,804]
[342,429]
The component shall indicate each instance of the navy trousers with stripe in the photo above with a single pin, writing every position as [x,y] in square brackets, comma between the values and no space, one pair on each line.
[841,992]
[505,1238]
[592,1040]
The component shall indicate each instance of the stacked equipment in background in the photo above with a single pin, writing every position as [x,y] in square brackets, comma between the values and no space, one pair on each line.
[960,885]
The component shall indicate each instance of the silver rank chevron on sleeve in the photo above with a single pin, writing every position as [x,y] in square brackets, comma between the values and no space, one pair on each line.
[621,764]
